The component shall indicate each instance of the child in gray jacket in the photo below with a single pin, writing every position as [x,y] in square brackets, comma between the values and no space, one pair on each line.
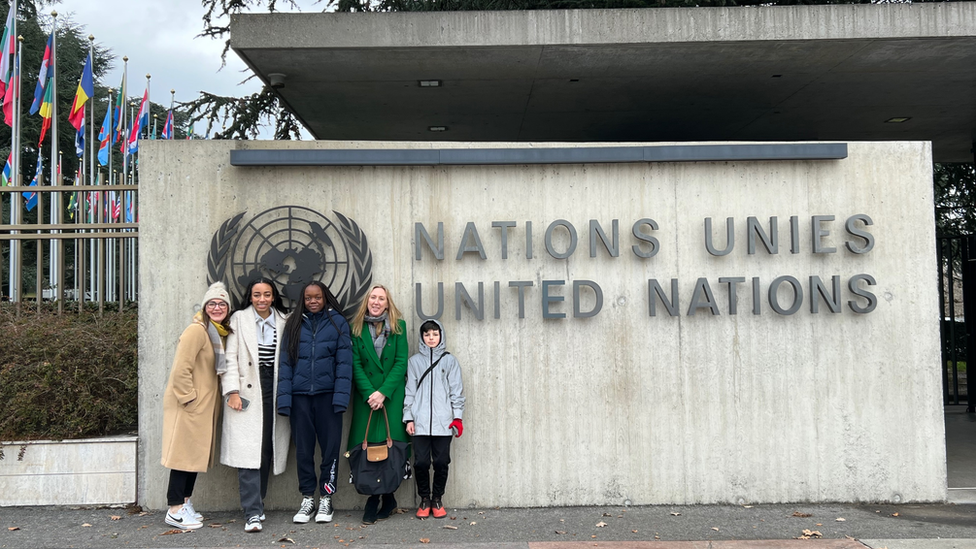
[432,409]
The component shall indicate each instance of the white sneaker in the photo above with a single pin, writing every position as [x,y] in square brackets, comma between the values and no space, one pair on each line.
[304,514]
[193,512]
[263,517]
[325,510]
[253,525]
[183,520]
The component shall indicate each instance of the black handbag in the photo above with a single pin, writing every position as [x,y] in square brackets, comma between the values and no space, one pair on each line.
[372,473]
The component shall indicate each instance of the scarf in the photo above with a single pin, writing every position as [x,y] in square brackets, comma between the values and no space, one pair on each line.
[216,333]
[379,339]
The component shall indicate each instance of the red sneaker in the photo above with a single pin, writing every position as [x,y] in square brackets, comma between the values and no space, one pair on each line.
[424,510]
[438,509]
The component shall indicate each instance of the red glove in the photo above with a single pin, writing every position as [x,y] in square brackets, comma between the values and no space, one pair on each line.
[458,427]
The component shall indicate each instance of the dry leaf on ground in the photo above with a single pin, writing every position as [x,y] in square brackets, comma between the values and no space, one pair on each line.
[287,540]
[801,515]
[808,534]
[607,515]
[675,514]
[449,527]
[634,531]
[173,531]
[424,540]
[115,517]
[12,528]
[894,514]
[86,525]
[601,524]
[472,523]
[840,519]
[560,532]
[715,528]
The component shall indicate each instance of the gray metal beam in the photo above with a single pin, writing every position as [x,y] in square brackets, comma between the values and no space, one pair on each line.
[559,155]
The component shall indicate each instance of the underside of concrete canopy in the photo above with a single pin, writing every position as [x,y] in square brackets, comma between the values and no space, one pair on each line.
[790,73]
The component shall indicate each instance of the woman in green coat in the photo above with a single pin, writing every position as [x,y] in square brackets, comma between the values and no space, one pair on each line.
[379,370]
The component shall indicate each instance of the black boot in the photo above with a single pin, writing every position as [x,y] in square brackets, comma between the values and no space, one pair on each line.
[389,505]
[369,513]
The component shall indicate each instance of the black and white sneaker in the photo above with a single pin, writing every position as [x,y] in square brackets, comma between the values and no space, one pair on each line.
[325,510]
[183,520]
[253,524]
[304,514]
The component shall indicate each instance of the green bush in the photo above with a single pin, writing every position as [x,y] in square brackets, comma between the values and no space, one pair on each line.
[68,376]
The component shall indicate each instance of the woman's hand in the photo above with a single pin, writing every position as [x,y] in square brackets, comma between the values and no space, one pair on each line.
[410,428]
[376,400]
[234,401]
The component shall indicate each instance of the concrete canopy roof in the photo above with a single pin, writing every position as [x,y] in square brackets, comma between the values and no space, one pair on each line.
[790,73]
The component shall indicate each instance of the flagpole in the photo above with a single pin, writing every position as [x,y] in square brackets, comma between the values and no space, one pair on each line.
[14,280]
[81,275]
[55,216]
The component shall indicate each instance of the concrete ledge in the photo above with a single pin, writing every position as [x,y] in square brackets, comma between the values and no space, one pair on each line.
[96,471]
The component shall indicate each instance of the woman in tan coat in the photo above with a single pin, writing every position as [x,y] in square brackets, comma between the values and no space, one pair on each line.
[190,404]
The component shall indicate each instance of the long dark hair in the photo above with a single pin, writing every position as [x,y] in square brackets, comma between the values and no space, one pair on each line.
[293,327]
[276,302]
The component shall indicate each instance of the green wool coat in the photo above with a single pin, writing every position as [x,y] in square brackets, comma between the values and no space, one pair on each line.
[386,374]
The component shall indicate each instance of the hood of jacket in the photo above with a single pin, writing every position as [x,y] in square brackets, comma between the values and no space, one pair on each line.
[436,352]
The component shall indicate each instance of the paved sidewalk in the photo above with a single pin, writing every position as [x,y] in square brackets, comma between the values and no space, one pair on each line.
[839,526]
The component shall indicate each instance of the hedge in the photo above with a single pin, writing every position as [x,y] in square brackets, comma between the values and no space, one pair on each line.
[72,375]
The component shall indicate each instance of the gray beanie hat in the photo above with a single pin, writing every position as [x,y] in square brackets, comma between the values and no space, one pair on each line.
[217,290]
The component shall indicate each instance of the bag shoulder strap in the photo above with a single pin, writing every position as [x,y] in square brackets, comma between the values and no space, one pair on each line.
[419,381]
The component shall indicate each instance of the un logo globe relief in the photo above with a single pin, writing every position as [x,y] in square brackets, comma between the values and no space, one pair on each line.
[293,245]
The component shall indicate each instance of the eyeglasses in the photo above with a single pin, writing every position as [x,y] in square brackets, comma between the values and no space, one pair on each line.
[216,305]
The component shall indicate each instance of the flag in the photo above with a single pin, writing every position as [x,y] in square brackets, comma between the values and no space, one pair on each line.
[116,206]
[142,120]
[86,89]
[106,135]
[8,96]
[9,47]
[189,131]
[32,197]
[117,112]
[80,140]
[43,77]
[73,204]
[5,179]
[129,209]
[168,125]
[47,109]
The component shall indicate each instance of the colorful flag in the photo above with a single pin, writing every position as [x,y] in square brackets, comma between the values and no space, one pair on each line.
[86,89]
[32,197]
[141,121]
[106,135]
[129,208]
[9,47]
[43,77]
[73,204]
[47,110]
[168,125]
[80,140]
[189,131]
[116,206]
[8,96]
[5,178]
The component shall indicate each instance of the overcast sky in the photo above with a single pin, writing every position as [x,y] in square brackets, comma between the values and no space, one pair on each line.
[158,36]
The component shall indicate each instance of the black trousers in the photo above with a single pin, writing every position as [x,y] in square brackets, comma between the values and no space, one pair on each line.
[180,486]
[313,418]
[429,451]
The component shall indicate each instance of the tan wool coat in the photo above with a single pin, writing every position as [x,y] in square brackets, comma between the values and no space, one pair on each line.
[240,439]
[190,404]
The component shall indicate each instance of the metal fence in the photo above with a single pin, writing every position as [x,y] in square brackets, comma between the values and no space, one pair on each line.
[957,293]
[86,252]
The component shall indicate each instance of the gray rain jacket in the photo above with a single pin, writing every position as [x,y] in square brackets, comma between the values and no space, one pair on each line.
[432,404]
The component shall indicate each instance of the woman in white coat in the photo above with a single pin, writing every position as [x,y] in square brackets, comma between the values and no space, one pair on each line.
[254,440]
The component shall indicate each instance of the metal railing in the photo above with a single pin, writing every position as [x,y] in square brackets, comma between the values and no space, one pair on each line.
[101,243]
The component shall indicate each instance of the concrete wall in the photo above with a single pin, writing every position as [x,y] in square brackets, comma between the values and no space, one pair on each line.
[693,408]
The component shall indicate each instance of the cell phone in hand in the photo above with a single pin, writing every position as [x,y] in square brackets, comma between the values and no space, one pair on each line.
[244,402]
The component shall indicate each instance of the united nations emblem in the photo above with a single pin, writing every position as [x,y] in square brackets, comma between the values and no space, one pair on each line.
[293,245]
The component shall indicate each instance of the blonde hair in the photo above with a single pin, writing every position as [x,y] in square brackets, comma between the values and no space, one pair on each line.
[392,313]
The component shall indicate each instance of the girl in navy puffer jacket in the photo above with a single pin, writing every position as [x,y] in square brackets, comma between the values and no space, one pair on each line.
[314,381]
